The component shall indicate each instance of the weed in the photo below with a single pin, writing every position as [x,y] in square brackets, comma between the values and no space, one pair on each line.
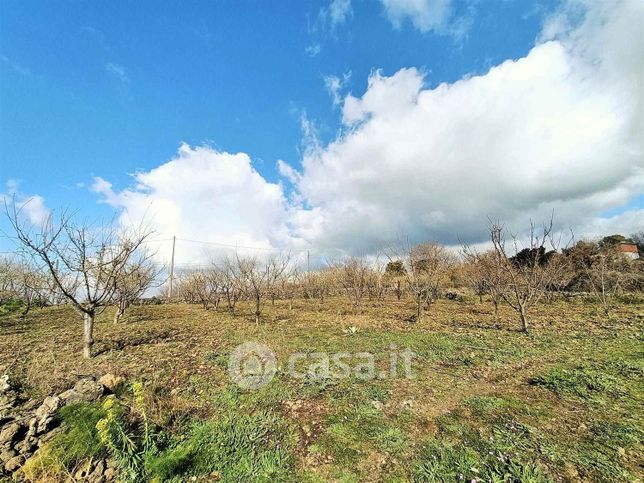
[580,381]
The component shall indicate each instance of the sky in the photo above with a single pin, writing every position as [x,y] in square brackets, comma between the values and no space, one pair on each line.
[336,126]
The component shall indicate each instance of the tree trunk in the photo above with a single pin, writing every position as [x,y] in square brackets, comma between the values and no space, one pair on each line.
[524,319]
[88,335]
[27,308]
[118,314]
[257,309]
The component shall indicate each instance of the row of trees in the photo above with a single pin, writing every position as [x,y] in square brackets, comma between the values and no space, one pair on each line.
[92,268]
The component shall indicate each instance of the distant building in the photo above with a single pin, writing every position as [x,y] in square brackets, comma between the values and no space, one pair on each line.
[629,249]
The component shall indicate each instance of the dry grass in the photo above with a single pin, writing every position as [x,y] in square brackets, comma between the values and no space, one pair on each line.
[180,351]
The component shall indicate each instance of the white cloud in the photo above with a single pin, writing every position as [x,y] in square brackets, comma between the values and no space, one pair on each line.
[334,86]
[118,71]
[328,19]
[425,15]
[30,206]
[203,194]
[559,129]
[339,11]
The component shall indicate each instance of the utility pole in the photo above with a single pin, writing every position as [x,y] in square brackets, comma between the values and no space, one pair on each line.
[174,240]
[308,262]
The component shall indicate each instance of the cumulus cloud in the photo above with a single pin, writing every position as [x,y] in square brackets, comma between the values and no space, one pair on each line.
[203,194]
[32,207]
[559,129]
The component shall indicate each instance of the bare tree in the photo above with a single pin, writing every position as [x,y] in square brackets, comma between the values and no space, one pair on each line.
[523,278]
[424,269]
[21,281]
[353,275]
[201,286]
[260,277]
[486,276]
[84,262]
[136,277]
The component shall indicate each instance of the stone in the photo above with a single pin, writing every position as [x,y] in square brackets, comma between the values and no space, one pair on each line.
[82,474]
[8,400]
[97,474]
[48,436]
[5,383]
[10,433]
[49,406]
[6,455]
[45,424]
[85,390]
[110,474]
[30,405]
[14,463]
[26,446]
[112,382]
[33,427]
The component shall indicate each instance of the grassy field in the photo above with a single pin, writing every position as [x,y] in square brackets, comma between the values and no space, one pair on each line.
[486,403]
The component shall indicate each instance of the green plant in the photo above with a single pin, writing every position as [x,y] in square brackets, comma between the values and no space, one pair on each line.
[68,449]
[235,447]
[581,381]
[127,444]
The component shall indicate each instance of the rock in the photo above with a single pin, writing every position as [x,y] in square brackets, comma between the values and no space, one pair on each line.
[5,383]
[6,455]
[8,400]
[30,405]
[97,474]
[14,463]
[48,436]
[33,427]
[112,382]
[85,390]
[81,474]
[10,433]
[110,474]
[26,446]
[49,406]
[45,424]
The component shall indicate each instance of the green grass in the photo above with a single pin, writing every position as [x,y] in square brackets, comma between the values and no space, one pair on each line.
[234,447]
[485,403]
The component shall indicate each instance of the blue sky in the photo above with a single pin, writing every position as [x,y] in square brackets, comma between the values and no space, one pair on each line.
[109,89]
[234,74]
